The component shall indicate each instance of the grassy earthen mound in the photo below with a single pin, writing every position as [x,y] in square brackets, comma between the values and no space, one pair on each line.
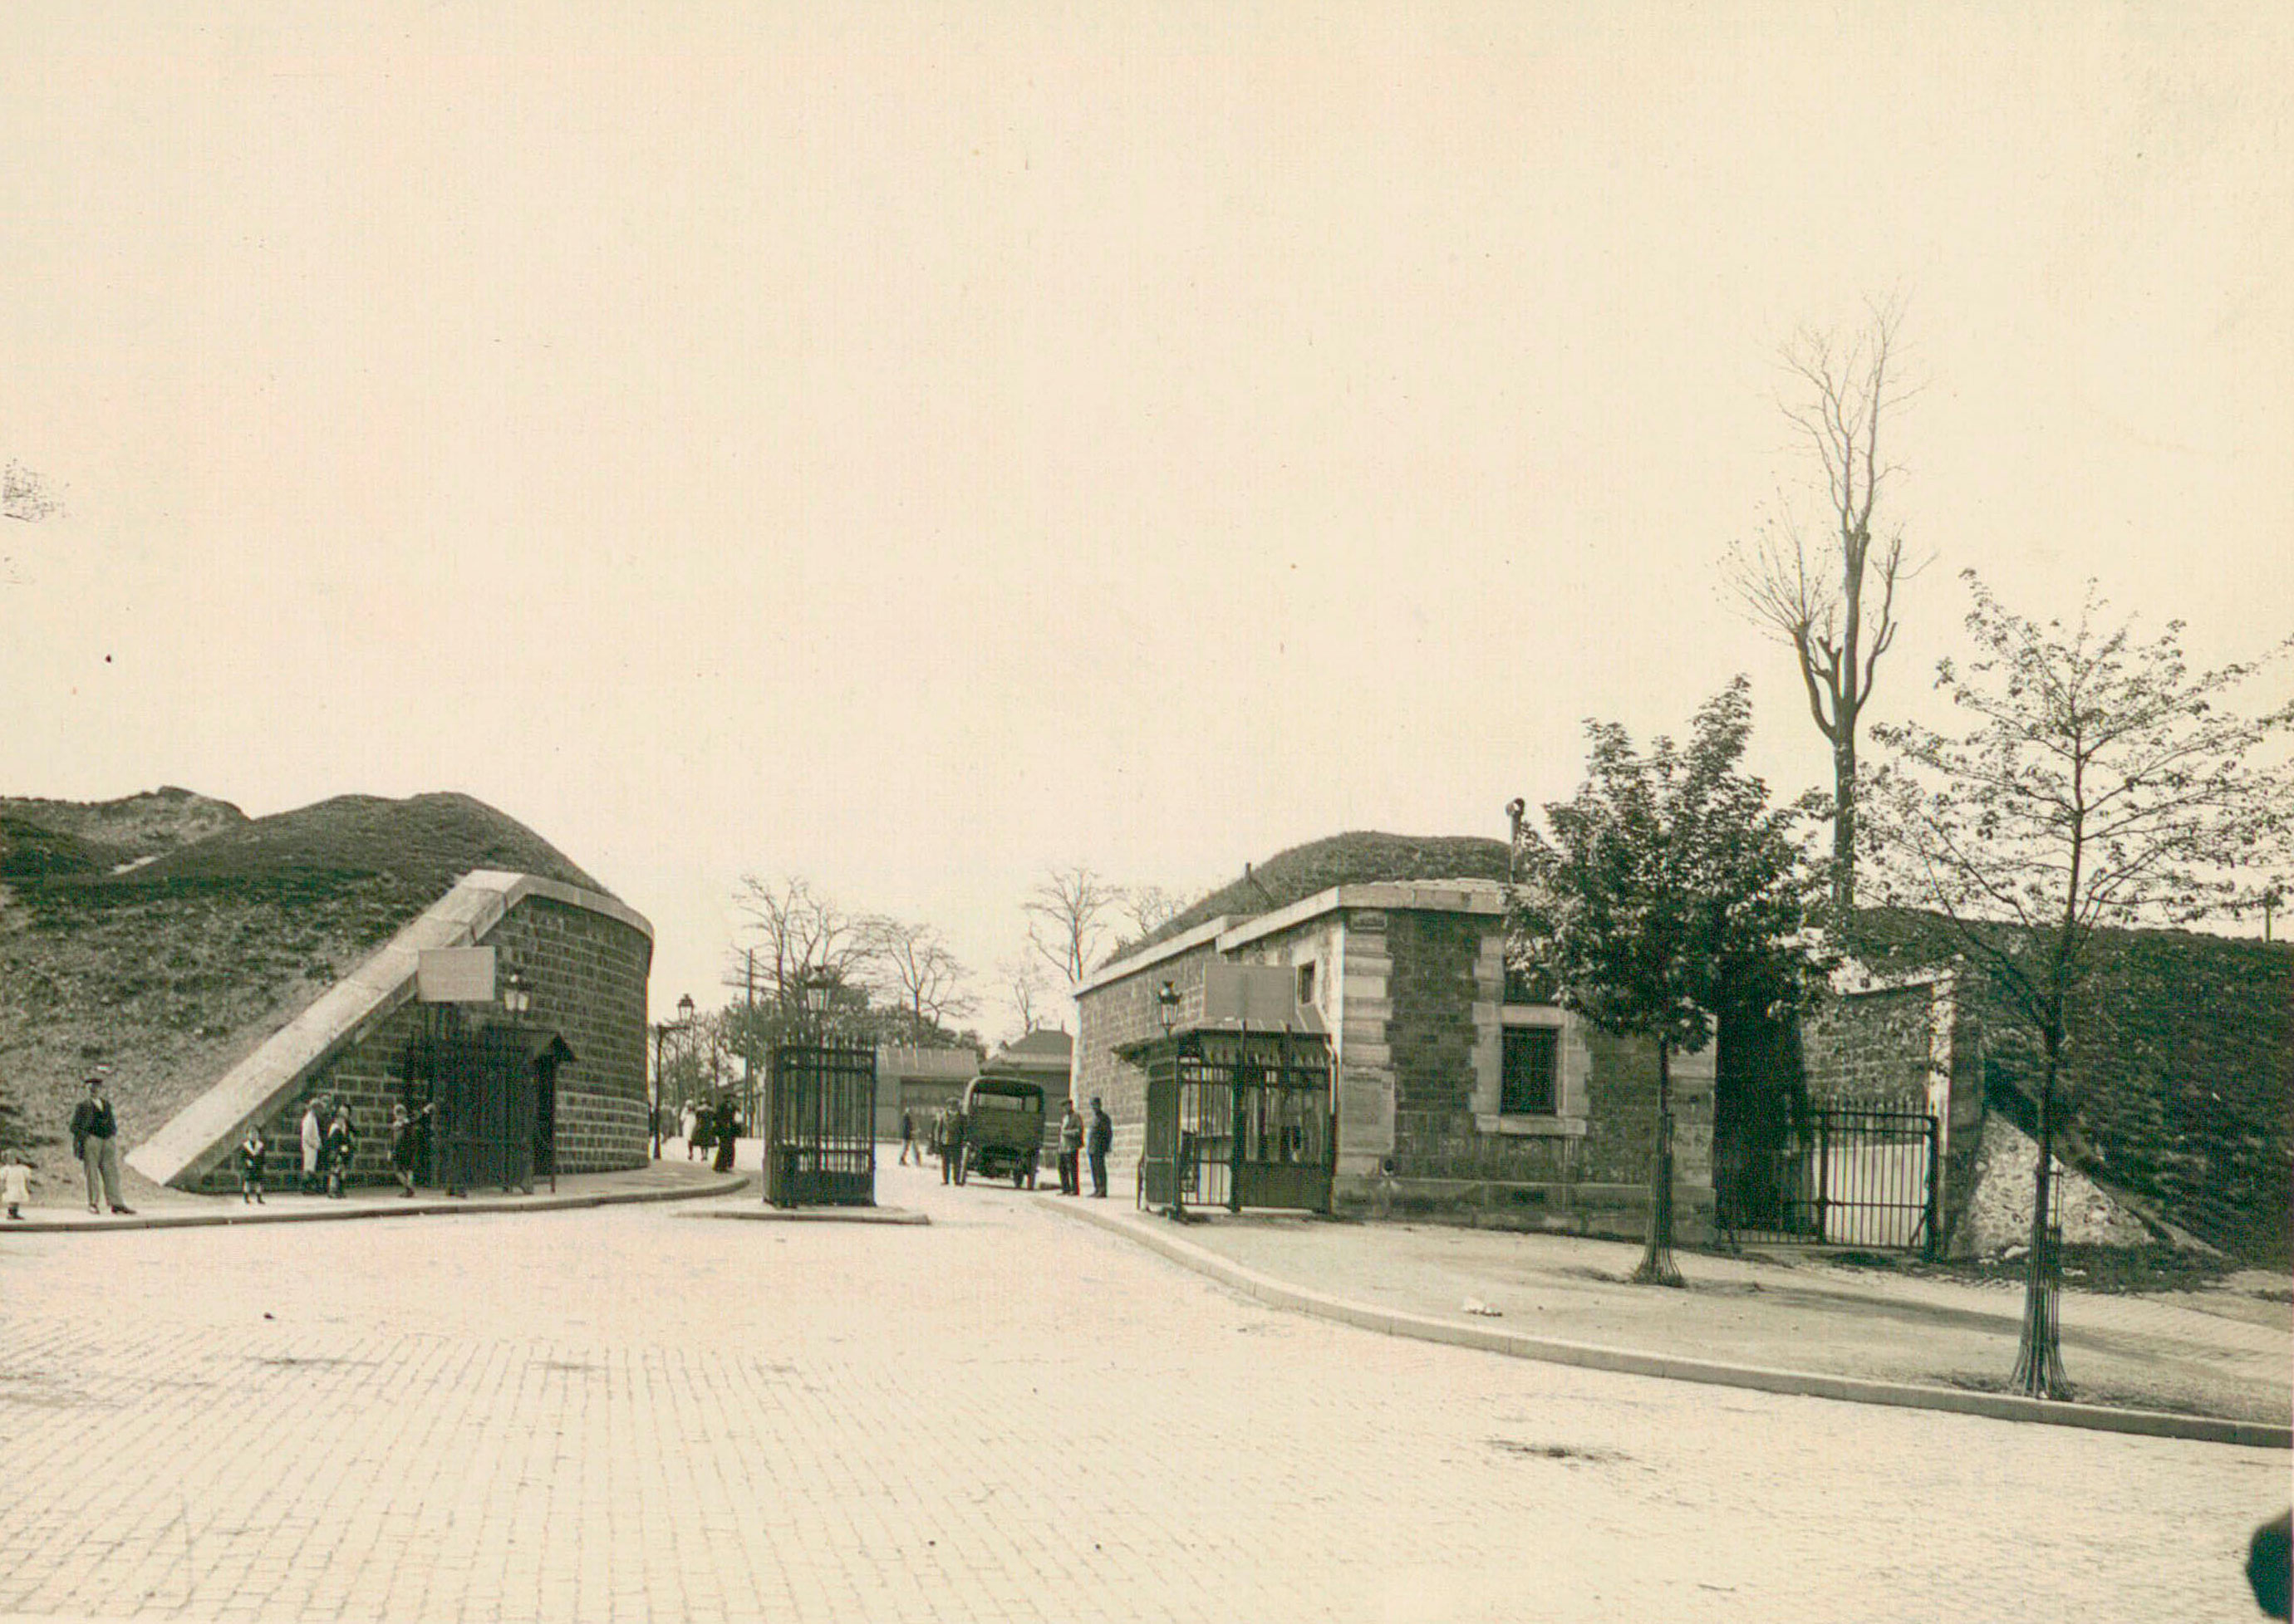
[169,934]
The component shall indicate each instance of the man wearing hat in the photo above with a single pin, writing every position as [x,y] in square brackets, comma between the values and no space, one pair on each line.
[94,1132]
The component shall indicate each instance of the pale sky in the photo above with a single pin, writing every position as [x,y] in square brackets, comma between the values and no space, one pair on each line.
[916,447]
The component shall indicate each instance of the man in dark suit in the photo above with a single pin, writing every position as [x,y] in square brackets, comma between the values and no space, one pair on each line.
[95,1133]
[1101,1141]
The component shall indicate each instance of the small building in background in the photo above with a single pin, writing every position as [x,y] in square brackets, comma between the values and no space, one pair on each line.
[918,1080]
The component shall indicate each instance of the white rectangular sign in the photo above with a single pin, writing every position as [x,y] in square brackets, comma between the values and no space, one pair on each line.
[454,975]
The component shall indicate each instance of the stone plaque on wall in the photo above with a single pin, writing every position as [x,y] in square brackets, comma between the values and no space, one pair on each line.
[1365,1112]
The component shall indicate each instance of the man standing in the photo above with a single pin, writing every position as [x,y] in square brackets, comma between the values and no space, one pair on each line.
[1102,1140]
[947,1139]
[1071,1151]
[94,1132]
[908,1138]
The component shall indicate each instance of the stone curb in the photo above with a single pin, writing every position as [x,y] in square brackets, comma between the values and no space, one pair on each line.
[818,1215]
[352,1211]
[1667,1367]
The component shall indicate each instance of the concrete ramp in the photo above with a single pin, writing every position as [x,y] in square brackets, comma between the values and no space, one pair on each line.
[203,1133]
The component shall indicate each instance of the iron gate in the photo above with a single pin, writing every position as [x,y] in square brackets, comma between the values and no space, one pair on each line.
[1238,1120]
[820,1126]
[1843,1177]
[485,1091]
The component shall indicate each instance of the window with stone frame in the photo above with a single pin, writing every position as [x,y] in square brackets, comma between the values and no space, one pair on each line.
[1529,1081]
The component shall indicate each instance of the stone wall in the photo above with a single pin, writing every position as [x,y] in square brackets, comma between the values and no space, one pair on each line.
[1443,1034]
[1869,1049]
[1998,1210]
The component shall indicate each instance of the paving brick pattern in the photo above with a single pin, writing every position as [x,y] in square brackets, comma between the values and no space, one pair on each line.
[640,1413]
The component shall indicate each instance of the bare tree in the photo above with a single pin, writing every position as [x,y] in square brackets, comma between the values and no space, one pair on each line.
[798,931]
[1023,984]
[915,968]
[1833,602]
[1066,919]
[1148,908]
[25,496]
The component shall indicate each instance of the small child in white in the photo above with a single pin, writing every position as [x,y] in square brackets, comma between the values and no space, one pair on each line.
[15,1182]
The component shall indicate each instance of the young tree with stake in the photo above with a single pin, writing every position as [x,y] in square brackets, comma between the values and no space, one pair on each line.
[1667,887]
[2098,785]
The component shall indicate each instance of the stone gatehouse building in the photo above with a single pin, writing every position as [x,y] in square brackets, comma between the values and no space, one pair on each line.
[1457,1088]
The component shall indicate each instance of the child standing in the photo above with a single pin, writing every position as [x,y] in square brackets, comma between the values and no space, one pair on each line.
[15,1182]
[250,1167]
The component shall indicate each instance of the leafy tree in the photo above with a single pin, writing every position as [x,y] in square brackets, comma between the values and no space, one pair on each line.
[1833,602]
[1666,888]
[2098,785]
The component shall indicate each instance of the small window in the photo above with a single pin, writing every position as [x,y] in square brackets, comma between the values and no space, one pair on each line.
[1530,1085]
[1307,984]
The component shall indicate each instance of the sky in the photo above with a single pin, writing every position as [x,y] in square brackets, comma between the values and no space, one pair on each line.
[916,447]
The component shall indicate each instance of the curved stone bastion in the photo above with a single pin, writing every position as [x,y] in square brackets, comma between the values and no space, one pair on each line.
[584,956]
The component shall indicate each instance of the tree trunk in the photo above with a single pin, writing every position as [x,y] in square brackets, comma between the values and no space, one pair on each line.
[1656,1266]
[1843,826]
[2038,1353]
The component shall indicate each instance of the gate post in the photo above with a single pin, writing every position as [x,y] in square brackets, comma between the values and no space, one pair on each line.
[1823,1174]
[1935,1204]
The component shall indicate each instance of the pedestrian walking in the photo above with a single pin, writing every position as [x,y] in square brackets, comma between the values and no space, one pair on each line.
[403,1141]
[1102,1140]
[94,1131]
[314,1140]
[728,1130]
[15,1181]
[1071,1151]
[342,1143]
[688,1121]
[252,1148]
[908,1138]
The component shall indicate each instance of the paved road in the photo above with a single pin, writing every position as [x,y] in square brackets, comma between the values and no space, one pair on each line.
[646,1412]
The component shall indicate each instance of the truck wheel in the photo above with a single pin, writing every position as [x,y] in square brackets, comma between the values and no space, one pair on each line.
[1019,1176]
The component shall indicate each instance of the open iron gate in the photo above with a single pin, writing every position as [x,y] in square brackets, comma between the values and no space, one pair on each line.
[1841,1177]
[819,1130]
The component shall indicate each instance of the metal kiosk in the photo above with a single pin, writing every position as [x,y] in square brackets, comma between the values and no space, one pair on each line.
[1238,1114]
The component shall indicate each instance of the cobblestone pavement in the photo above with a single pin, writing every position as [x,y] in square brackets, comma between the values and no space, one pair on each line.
[638,1413]
[2203,1353]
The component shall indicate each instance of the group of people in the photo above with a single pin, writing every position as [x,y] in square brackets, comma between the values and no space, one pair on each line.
[330,1136]
[1076,1141]
[1094,1143]
[714,1126]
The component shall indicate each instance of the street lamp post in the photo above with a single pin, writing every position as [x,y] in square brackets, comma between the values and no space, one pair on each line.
[1166,1011]
[661,1031]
